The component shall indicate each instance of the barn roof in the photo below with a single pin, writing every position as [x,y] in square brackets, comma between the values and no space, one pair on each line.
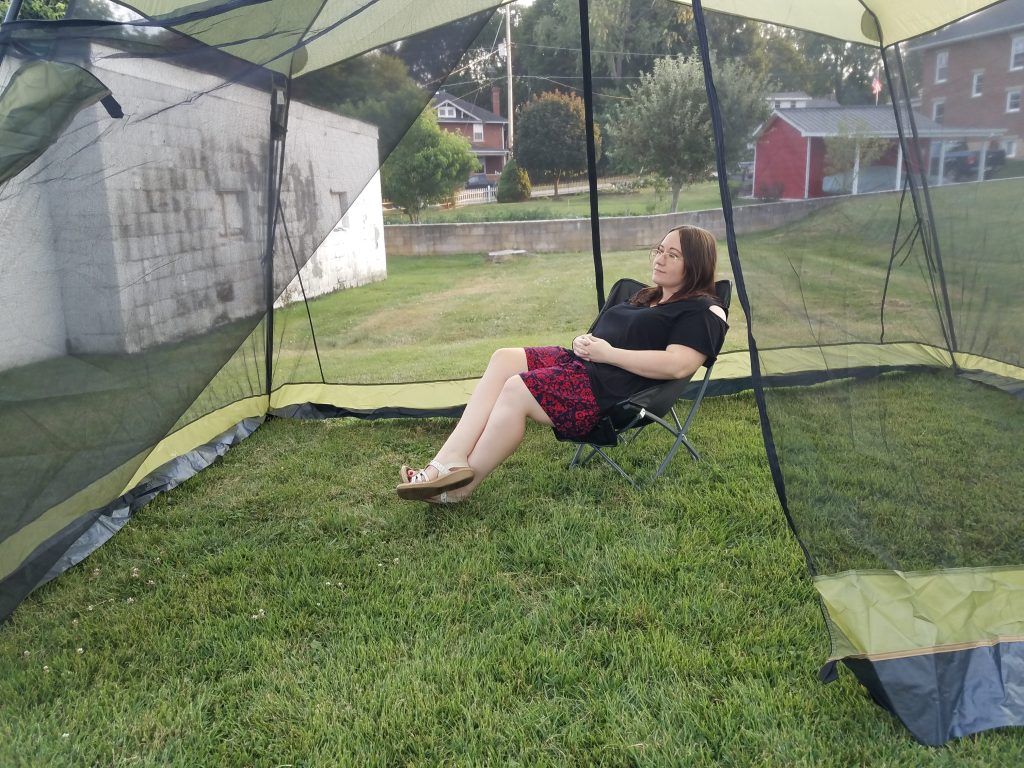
[872,121]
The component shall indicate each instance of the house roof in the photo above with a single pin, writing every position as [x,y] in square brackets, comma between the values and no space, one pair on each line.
[791,95]
[480,114]
[1006,16]
[872,121]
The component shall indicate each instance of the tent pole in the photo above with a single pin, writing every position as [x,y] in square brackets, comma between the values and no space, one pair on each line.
[12,14]
[278,126]
[588,106]
[930,243]
[12,11]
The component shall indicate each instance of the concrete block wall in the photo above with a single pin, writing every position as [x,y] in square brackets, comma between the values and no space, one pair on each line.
[332,204]
[150,229]
[617,234]
[30,283]
[351,255]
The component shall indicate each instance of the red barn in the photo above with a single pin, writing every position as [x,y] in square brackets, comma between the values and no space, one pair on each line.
[790,151]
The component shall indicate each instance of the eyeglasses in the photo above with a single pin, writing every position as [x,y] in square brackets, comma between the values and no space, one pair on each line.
[673,255]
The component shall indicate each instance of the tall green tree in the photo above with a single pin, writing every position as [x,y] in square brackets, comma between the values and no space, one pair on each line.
[551,136]
[375,88]
[427,166]
[666,126]
[839,68]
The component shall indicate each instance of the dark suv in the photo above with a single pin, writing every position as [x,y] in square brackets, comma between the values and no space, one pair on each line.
[479,181]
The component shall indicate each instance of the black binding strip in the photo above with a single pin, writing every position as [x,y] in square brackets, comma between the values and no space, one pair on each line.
[588,107]
[741,290]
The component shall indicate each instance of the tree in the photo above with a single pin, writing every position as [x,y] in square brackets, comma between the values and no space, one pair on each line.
[852,149]
[667,124]
[551,136]
[840,68]
[427,166]
[375,88]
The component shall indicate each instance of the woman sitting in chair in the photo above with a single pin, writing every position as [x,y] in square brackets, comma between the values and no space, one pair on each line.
[663,332]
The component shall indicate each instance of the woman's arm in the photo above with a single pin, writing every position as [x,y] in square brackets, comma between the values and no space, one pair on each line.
[674,362]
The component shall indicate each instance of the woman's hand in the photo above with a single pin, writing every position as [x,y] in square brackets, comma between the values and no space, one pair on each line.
[591,348]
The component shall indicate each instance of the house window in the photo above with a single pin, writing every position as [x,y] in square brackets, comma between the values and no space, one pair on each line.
[446,111]
[1013,101]
[939,110]
[1010,147]
[941,66]
[1017,53]
[232,214]
[342,198]
[977,82]
[478,131]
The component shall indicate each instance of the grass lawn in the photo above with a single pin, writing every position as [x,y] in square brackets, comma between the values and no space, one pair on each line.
[698,197]
[285,608]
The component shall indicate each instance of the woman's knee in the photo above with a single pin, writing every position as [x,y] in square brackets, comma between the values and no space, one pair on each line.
[508,359]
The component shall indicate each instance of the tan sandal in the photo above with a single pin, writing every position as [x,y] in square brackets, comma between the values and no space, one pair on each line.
[443,499]
[419,488]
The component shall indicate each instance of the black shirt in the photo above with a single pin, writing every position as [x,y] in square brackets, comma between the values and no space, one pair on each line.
[689,322]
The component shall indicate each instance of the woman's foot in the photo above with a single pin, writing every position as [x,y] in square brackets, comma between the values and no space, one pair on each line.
[432,480]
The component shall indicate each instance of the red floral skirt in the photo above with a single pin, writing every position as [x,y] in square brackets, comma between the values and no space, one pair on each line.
[560,384]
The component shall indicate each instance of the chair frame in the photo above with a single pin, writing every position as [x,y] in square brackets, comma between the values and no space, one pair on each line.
[641,417]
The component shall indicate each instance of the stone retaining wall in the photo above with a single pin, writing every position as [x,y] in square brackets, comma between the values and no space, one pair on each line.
[620,233]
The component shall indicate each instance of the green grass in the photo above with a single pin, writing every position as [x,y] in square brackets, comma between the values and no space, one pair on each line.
[284,608]
[698,197]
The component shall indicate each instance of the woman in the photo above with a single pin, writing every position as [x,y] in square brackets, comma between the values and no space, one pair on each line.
[663,332]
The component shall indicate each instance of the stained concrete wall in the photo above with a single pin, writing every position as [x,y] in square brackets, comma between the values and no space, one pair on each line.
[617,234]
[150,229]
[350,256]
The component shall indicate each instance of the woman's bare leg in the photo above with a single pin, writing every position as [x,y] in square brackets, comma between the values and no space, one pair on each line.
[504,363]
[503,433]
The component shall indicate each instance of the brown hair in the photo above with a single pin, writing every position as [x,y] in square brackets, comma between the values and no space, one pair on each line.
[699,260]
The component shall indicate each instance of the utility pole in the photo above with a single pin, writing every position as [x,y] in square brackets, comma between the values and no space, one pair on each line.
[508,68]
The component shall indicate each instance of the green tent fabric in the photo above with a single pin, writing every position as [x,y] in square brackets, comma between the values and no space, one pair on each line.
[148,332]
[38,103]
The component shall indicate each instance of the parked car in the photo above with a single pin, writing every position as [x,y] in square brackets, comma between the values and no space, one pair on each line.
[480,181]
[962,162]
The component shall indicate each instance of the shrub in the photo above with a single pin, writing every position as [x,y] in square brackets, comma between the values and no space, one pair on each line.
[514,184]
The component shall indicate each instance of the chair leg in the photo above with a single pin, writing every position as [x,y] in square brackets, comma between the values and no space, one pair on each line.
[611,462]
[681,439]
[576,456]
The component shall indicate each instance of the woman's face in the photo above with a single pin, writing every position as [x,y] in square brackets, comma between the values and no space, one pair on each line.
[667,264]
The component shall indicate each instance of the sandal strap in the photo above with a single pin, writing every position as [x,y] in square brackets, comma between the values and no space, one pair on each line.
[442,470]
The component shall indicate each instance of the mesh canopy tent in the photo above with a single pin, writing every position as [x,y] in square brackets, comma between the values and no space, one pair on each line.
[177,181]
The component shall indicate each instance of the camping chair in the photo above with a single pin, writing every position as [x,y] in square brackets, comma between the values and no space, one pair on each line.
[624,421]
